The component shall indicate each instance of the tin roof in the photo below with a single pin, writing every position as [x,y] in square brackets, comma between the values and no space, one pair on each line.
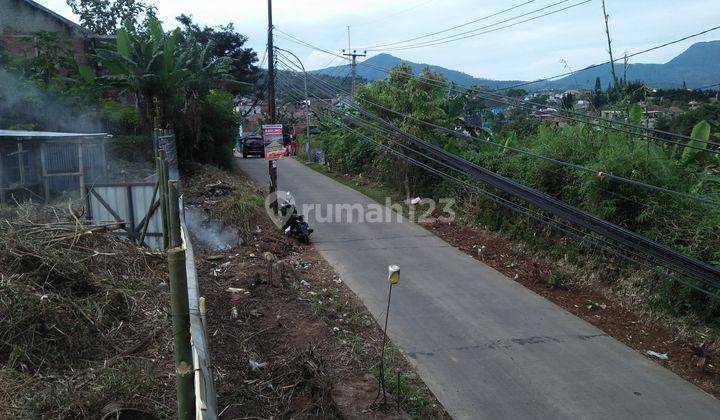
[45,134]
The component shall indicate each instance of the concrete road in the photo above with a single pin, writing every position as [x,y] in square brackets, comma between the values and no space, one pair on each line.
[486,346]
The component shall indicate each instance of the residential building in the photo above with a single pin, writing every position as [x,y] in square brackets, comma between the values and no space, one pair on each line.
[23,21]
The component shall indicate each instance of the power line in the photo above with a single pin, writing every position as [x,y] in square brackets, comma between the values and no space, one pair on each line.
[661,253]
[399,12]
[618,59]
[560,113]
[452,28]
[611,122]
[597,173]
[296,40]
[513,206]
[477,32]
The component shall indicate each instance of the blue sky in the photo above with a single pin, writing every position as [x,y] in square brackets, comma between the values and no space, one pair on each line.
[526,51]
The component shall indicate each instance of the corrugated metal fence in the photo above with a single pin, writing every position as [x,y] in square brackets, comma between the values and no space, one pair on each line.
[132,204]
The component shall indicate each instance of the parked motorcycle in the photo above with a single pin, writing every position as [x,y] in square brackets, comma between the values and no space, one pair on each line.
[295,225]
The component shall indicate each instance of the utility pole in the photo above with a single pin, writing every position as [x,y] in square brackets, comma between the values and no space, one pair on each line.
[354,54]
[272,164]
[607,32]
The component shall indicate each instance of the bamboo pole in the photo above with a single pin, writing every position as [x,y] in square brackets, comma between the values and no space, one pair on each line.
[174,213]
[163,198]
[184,372]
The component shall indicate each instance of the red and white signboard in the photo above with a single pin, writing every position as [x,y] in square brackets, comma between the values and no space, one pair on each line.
[273,137]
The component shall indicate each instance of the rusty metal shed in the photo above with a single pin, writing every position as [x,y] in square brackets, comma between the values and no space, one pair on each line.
[44,165]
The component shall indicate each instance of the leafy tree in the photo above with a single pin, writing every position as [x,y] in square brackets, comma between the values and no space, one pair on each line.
[145,64]
[54,58]
[516,93]
[104,17]
[597,95]
[568,102]
[175,72]
[223,41]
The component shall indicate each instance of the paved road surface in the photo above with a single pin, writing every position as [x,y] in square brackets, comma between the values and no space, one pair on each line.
[486,346]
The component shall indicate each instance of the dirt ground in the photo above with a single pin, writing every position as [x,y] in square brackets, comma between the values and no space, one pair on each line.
[288,338]
[590,301]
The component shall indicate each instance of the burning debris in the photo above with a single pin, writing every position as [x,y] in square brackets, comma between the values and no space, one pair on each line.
[218,189]
[210,233]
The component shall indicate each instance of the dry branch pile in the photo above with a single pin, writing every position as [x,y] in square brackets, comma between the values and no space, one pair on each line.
[81,317]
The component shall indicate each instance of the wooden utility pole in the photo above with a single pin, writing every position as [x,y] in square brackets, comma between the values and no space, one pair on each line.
[272,164]
[607,32]
[354,54]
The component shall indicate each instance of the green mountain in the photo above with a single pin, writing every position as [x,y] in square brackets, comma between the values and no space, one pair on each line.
[370,69]
[698,66]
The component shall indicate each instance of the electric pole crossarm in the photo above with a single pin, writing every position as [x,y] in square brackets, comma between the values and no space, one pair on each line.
[354,55]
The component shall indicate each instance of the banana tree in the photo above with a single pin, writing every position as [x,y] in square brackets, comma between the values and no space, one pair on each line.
[204,74]
[147,65]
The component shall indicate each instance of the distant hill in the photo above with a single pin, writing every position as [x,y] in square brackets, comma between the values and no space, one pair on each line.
[386,61]
[697,66]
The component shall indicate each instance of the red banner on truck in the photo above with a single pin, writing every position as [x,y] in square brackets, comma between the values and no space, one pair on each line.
[273,139]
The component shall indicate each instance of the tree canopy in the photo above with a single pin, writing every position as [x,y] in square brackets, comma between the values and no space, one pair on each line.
[104,17]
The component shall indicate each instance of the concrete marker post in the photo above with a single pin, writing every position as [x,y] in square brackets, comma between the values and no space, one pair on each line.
[393,278]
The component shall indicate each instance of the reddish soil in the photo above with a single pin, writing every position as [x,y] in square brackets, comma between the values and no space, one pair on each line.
[591,302]
[275,301]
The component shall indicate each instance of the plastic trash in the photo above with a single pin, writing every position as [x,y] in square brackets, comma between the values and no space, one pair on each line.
[257,365]
[659,356]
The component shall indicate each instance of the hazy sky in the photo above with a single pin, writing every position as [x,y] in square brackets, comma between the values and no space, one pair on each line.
[526,51]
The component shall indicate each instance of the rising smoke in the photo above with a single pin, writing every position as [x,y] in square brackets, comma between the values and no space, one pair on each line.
[26,107]
[209,234]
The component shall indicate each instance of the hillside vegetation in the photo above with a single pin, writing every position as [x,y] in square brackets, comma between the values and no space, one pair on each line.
[686,225]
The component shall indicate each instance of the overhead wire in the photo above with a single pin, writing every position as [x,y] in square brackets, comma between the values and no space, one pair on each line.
[477,32]
[610,122]
[597,173]
[661,253]
[298,41]
[393,14]
[451,28]
[583,236]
